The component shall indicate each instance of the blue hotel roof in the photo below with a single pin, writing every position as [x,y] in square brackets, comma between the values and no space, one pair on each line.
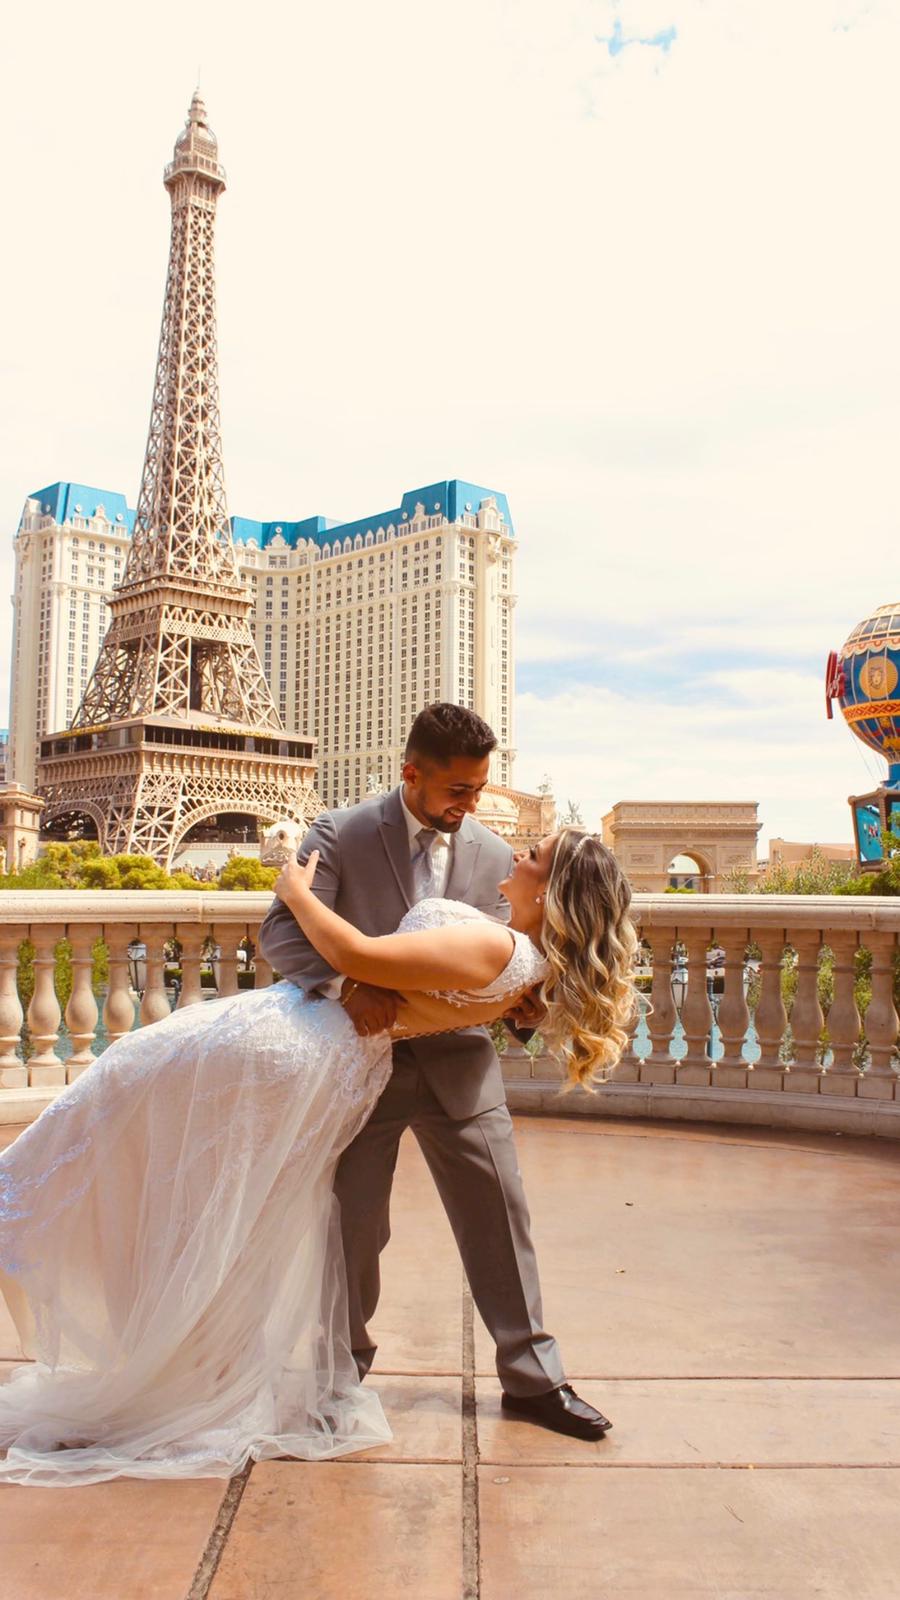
[451,497]
[63,501]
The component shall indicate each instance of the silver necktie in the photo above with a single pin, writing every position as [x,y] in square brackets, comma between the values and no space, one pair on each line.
[423,864]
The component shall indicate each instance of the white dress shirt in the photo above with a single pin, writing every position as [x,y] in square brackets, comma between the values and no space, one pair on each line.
[440,850]
[440,872]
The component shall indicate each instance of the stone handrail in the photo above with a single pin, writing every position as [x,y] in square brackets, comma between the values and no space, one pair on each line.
[788,1078]
[790,1081]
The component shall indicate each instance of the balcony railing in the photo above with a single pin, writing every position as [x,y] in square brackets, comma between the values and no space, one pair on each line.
[697,1051]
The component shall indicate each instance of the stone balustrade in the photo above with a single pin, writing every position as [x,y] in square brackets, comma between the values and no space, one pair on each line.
[765,1068]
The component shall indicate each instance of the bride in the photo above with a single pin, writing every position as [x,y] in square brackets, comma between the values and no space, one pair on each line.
[169,1242]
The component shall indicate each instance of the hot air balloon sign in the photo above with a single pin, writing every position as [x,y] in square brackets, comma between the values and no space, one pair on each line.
[863,677]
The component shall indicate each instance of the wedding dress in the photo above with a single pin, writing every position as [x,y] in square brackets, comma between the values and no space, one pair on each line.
[170,1244]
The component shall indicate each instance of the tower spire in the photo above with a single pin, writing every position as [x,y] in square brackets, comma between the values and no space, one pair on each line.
[179,648]
[182,517]
[179,639]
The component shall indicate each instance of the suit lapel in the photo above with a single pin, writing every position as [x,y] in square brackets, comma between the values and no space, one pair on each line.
[395,838]
[464,855]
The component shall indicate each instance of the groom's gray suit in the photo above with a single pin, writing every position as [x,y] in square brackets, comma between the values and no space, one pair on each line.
[448,1089]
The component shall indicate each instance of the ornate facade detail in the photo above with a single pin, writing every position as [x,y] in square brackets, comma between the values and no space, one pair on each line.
[177,722]
[519,817]
[20,815]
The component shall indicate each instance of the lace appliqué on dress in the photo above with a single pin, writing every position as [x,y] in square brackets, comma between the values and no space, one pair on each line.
[525,967]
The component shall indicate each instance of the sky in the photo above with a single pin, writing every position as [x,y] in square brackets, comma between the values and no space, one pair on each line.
[633,262]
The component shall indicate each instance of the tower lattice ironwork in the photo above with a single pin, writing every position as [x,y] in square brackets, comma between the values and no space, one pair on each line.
[177,722]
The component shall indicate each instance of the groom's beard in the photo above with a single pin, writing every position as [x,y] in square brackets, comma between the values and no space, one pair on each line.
[444,824]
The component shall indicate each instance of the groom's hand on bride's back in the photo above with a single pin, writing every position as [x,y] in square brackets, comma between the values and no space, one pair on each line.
[371,1010]
[528,1012]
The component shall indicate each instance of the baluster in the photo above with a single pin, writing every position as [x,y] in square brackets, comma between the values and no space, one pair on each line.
[118,1008]
[734,1016]
[155,1003]
[44,1015]
[659,1066]
[515,1062]
[628,1067]
[227,938]
[13,1071]
[81,1011]
[262,970]
[696,1011]
[843,1020]
[770,1020]
[879,1079]
[192,940]
[807,1020]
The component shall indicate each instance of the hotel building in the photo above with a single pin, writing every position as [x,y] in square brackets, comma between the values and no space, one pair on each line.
[357,624]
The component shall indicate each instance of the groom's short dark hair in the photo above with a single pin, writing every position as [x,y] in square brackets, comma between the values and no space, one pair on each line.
[443,731]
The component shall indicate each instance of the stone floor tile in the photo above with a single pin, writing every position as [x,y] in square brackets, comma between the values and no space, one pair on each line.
[418,1325]
[689,1535]
[670,1421]
[345,1530]
[425,1415]
[107,1541]
[706,1256]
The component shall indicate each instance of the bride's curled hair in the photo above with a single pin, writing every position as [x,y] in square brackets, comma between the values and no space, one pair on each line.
[589,941]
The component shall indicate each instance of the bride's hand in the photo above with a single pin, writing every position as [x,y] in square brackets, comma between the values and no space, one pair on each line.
[295,877]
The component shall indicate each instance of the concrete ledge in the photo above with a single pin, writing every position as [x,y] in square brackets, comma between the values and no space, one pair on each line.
[18,1106]
[679,1102]
[676,1102]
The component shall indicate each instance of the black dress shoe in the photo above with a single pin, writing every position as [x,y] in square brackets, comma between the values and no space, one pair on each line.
[559,1409]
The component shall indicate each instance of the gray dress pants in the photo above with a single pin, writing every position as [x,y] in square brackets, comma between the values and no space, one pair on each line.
[474,1165]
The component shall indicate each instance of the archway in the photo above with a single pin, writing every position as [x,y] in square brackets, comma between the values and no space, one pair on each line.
[688,869]
[65,824]
[232,828]
[209,836]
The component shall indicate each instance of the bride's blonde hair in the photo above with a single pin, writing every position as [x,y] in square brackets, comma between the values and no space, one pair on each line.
[589,940]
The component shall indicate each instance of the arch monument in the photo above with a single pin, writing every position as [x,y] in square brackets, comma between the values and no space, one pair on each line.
[719,835]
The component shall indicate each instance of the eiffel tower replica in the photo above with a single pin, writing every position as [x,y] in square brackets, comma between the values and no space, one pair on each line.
[177,724]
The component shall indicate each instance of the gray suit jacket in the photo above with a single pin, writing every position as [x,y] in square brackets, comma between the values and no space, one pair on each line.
[365,874]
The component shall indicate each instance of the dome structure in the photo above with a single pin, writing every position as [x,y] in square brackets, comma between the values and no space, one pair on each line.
[498,812]
[863,676]
[196,149]
[197,132]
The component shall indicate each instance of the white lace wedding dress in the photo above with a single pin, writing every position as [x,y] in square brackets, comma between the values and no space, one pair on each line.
[170,1245]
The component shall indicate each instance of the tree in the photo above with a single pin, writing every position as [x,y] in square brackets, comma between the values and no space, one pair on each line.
[816,875]
[141,872]
[246,872]
[186,880]
[81,866]
[60,867]
[101,874]
[887,879]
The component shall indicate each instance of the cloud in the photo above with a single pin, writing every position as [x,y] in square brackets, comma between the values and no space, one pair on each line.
[600,747]
[616,42]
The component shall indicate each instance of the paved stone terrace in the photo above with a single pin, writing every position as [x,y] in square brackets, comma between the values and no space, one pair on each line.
[731,1298]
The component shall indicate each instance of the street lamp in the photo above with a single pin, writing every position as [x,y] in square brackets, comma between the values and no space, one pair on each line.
[137,966]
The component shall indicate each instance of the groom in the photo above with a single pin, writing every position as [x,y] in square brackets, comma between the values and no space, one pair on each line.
[377,859]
